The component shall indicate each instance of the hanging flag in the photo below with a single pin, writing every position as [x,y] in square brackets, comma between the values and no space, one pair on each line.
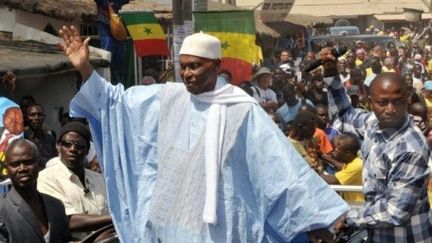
[236,30]
[146,32]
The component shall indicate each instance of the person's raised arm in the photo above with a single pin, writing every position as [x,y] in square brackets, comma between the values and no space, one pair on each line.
[339,101]
[76,50]
[347,119]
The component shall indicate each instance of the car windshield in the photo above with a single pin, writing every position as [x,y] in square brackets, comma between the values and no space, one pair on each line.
[344,30]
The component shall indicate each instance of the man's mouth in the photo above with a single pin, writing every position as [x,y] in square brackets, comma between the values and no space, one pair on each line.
[24,178]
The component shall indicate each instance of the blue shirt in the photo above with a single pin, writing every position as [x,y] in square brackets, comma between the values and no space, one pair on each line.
[287,113]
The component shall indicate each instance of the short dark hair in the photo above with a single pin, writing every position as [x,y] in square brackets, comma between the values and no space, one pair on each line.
[388,77]
[35,105]
[350,142]
[288,89]
[321,106]
[20,142]
[285,50]
[28,97]
[307,107]
[304,117]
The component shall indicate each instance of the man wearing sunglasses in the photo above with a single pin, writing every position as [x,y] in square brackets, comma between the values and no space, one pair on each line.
[82,191]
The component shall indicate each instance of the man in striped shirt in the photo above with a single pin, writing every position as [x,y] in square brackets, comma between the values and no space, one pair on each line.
[395,155]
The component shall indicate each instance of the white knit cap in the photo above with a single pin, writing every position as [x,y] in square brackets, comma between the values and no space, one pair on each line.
[201,45]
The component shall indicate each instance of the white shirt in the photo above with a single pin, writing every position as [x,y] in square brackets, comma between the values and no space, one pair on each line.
[47,236]
[59,182]
[262,95]
[344,79]
[6,132]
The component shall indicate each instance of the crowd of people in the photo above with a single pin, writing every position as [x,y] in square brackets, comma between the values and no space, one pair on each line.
[206,161]
[286,89]
[340,139]
[66,201]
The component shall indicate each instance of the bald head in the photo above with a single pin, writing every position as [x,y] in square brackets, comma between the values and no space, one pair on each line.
[24,143]
[388,79]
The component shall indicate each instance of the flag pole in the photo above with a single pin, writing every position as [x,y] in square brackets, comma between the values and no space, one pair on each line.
[182,27]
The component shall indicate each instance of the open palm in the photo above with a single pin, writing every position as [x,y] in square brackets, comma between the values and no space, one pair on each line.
[75,49]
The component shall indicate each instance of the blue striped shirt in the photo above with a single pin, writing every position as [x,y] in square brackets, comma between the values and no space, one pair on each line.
[395,173]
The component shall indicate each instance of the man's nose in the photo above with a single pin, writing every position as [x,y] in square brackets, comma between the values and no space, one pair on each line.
[21,167]
[390,108]
[187,73]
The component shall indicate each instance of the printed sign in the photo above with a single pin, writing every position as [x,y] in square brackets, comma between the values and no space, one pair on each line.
[275,10]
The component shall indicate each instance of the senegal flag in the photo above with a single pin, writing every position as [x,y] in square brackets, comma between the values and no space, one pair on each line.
[236,31]
[146,32]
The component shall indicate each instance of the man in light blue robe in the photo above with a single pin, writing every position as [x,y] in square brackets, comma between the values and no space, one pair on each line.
[172,179]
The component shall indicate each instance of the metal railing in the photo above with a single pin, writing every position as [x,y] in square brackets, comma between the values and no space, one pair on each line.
[347,188]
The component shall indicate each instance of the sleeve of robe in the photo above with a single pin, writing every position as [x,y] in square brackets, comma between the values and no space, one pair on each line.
[112,112]
[291,196]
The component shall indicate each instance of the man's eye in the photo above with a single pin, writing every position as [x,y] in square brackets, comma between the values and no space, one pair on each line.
[400,101]
[194,65]
[382,102]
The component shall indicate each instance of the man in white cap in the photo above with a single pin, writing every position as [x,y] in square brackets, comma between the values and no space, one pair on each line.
[188,163]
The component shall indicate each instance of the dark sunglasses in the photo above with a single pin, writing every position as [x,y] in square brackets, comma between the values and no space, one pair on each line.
[69,145]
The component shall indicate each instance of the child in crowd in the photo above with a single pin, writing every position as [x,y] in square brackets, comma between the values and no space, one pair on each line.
[348,165]
[301,135]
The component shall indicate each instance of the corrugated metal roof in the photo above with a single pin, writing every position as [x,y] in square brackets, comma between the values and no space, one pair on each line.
[29,57]
[76,10]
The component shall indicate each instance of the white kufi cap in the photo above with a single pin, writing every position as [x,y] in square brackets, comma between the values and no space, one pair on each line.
[201,45]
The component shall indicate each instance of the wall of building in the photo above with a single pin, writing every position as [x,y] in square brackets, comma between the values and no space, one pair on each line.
[37,21]
[52,92]
[247,3]
[428,4]
[7,19]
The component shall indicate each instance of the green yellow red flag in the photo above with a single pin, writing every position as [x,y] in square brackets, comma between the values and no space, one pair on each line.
[236,31]
[146,32]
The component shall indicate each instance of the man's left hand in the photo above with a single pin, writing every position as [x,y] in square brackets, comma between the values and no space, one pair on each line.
[340,224]
[321,235]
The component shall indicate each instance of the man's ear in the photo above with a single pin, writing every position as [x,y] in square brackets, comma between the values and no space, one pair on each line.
[218,63]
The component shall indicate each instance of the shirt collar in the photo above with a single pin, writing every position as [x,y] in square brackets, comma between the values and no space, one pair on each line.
[68,173]
[64,170]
